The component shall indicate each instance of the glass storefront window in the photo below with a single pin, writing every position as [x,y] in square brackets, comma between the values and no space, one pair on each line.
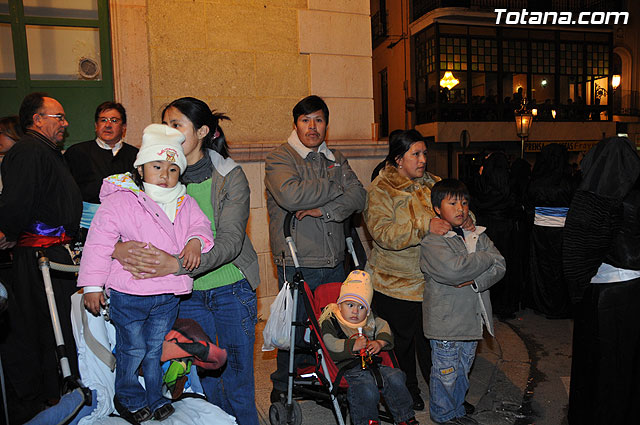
[543,88]
[55,52]
[456,94]
[7,64]
[82,9]
[484,87]
[514,87]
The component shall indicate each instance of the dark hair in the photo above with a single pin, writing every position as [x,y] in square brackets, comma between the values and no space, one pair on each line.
[400,143]
[448,187]
[31,104]
[10,126]
[105,106]
[308,105]
[200,114]
[495,173]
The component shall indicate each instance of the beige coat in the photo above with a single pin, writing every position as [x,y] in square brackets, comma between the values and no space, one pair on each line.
[397,214]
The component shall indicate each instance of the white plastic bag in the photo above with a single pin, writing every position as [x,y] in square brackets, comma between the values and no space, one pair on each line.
[276,333]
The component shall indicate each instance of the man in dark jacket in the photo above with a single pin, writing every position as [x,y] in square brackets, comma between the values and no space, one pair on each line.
[107,154]
[40,209]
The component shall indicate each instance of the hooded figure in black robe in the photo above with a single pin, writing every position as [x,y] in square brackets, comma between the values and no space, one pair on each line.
[601,258]
[546,203]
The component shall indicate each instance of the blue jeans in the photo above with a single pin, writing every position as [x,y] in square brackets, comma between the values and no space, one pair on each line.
[228,315]
[141,324]
[363,395]
[449,382]
[314,278]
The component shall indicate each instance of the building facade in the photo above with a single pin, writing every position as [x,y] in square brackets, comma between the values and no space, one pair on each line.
[448,67]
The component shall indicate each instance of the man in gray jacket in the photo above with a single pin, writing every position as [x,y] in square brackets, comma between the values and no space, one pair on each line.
[305,177]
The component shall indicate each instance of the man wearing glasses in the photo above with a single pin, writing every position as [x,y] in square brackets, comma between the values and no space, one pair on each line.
[107,154]
[40,209]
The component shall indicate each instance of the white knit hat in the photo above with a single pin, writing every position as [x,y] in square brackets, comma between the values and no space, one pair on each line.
[161,143]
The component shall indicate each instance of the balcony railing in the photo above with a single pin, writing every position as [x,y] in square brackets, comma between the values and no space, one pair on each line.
[626,102]
[505,112]
[421,7]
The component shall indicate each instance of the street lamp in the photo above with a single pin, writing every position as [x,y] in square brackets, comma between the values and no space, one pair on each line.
[524,118]
[615,81]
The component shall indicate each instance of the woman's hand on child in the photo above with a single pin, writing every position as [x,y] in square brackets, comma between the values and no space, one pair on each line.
[439,226]
[191,255]
[93,301]
[143,260]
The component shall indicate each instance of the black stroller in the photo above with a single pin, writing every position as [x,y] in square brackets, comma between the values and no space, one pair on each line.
[325,384]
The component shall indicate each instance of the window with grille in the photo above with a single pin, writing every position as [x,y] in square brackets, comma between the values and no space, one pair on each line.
[514,56]
[484,55]
[543,57]
[453,54]
[571,59]
[597,59]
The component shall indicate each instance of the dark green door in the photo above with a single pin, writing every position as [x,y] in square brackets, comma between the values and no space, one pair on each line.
[61,47]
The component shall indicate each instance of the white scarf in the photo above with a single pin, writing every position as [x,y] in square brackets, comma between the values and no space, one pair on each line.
[166,197]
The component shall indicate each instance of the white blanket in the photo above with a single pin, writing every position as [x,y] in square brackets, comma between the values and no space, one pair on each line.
[97,376]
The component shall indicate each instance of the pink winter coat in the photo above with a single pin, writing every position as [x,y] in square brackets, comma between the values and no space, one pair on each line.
[127,213]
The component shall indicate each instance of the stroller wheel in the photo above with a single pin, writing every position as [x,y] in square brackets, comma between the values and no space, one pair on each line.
[278,413]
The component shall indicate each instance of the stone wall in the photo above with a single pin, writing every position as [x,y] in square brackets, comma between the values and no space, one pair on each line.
[254,61]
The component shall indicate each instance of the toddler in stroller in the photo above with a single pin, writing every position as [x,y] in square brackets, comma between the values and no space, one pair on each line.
[354,336]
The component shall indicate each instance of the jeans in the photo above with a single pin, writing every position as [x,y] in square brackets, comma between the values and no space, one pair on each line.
[363,395]
[141,324]
[451,362]
[314,278]
[228,315]
[409,343]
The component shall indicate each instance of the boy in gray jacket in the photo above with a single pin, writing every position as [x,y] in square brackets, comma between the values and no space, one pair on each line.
[459,268]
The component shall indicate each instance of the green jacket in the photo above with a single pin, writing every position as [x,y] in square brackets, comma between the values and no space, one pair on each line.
[230,199]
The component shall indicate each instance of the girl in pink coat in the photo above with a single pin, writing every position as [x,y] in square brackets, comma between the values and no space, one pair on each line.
[151,205]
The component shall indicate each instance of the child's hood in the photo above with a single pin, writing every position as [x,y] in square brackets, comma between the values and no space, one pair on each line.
[118,183]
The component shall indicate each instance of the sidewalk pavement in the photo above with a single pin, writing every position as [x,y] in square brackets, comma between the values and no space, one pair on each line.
[497,381]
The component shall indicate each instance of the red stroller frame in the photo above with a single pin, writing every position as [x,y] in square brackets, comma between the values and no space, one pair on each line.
[324,386]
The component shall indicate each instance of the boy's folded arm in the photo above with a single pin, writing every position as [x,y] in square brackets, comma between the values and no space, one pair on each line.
[497,269]
[438,260]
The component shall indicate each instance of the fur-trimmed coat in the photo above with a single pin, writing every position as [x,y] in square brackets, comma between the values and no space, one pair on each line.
[397,213]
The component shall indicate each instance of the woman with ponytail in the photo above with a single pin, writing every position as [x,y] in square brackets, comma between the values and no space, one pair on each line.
[224,300]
